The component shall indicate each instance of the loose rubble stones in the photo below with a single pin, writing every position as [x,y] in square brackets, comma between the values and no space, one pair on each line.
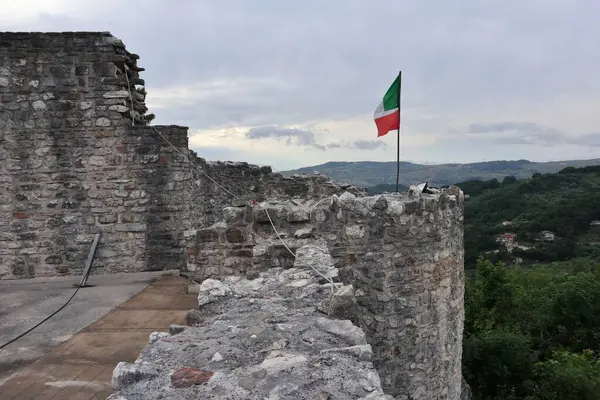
[259,339]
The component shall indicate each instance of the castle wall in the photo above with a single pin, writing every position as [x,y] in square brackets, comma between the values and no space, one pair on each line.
[409,266]
[65,174]
[403,254]
[239,183]
[77,157]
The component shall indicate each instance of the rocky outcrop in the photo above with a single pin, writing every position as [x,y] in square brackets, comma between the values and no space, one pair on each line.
[261,338]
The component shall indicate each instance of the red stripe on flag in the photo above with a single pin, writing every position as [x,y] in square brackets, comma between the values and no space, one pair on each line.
[387,123]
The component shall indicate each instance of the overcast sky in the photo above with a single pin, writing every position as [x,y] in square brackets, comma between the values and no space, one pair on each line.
[295,83]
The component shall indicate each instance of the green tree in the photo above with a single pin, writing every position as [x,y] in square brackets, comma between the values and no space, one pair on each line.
[532,333]
[576,313]
[568,376]
[490,297]
[498,365]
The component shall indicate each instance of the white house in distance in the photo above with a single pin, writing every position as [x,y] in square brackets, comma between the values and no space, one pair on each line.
[547,236]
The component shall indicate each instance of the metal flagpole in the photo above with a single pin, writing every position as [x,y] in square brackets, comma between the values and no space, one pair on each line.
[398,148]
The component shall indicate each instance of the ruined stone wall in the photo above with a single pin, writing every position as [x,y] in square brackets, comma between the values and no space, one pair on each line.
[60,188]
[238,183]
[65,111]
[77,157]
[255,339]
[402,253]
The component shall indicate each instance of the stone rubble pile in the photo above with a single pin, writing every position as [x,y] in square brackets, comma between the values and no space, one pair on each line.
[262,338]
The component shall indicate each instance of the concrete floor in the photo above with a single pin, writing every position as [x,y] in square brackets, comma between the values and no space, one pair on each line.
[74,353]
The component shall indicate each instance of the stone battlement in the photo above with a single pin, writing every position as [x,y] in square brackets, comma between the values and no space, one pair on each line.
[77,79]
[402,253]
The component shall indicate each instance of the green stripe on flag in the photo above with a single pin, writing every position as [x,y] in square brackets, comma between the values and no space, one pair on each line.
[390,100]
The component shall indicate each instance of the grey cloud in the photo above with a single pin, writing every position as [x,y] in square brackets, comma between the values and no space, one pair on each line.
[590,139]
[512,126]
[529,133]
[338,64]
[305,137]
[520,133]
[368,144]
[358,145]
[299,137]
[293,63]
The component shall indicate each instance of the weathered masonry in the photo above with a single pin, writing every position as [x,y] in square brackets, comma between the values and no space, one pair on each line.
[77,157]
[400,258]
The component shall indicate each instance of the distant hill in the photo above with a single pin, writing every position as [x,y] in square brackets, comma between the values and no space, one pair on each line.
[566,204]
[384,187]
[371,173]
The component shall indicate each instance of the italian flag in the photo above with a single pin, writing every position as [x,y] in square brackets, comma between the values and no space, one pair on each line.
[387,114]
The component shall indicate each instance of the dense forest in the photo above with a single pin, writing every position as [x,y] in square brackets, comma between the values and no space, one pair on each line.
[565,204]
[532,309]
[533,333]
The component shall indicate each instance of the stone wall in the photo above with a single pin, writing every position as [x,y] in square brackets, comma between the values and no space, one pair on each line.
[239,183]
[77,157]
[53,81]
[54,204]
[65,114]
[402,253]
